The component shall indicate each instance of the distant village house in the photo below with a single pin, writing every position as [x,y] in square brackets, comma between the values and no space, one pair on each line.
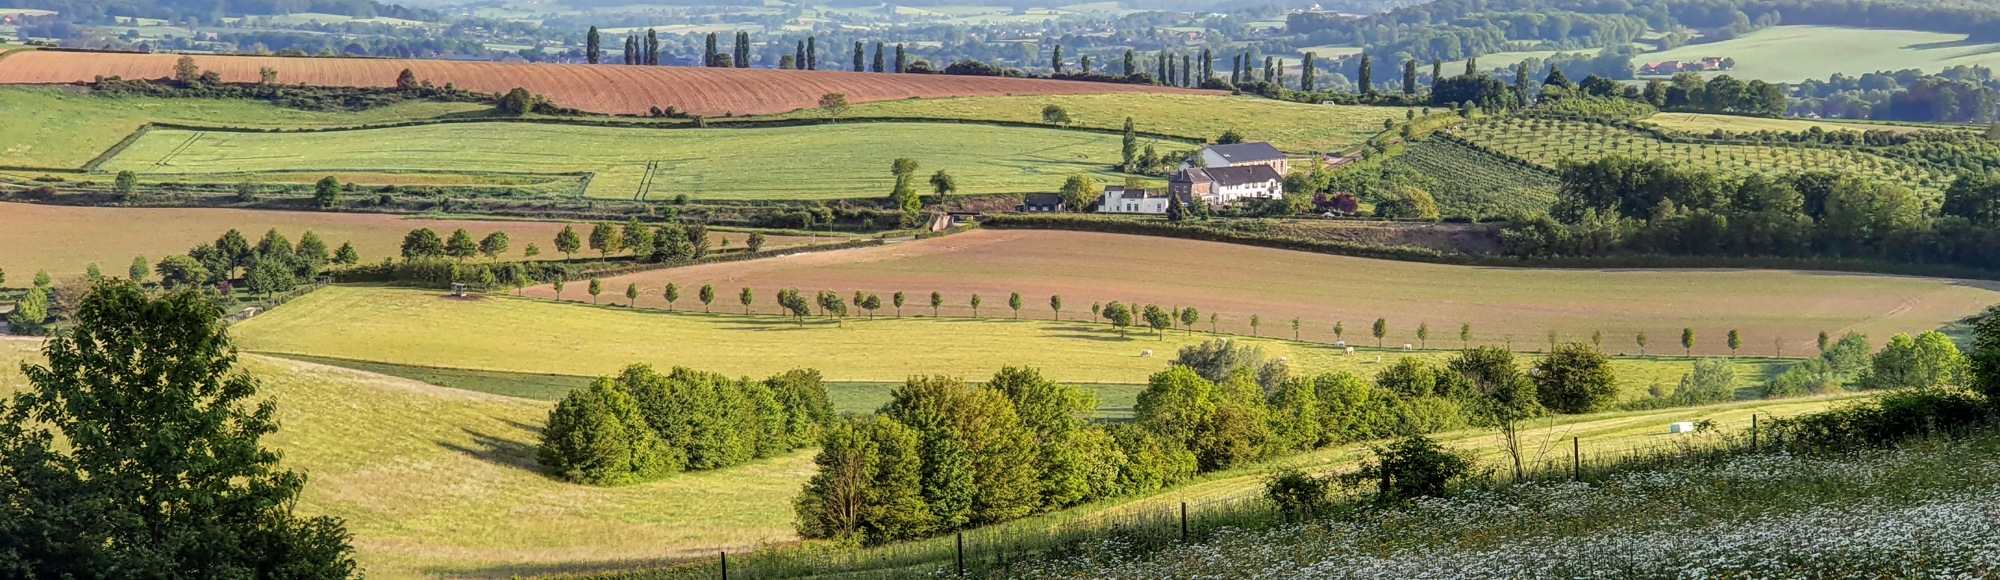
[1042,203]
[1706,64]
[1138,201]
[1226,174]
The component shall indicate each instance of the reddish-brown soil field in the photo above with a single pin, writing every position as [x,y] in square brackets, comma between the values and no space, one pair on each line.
[63,239]
[606,89]
[1521,304]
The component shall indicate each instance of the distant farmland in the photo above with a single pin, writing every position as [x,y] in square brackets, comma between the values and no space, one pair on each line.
[844,160]
[1238,282]
[625,90]
[63,239]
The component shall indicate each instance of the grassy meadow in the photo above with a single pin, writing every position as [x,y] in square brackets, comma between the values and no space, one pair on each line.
[1790,54]
[435,481]
[1705,123]
[812,162]
[504,334]
[1293,127]
[63,129]
[1237,282]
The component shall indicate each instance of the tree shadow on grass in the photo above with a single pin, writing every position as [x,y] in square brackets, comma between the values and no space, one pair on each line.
[1097,337]
[499,451]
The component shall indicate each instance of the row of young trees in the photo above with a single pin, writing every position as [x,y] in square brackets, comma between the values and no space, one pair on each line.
[641,425]
[272,265]
[944,454]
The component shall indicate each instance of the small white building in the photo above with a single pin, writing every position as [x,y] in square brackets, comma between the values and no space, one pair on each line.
[1139,201]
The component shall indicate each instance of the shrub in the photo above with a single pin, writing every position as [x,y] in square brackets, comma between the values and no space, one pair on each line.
[596,436]
[1411,468]
[1297,493]
[1574,378]
[1888,418]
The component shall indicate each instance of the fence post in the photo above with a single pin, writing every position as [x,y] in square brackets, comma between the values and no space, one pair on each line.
[1753,431]
[1184,530]
[961,554]
[1576,458]
[725,565]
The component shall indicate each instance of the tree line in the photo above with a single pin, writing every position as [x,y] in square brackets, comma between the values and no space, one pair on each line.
[641,425]
[1620,205]
[945,454]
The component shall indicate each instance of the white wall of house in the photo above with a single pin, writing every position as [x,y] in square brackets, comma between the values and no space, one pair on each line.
[1144,205]
[1231,193]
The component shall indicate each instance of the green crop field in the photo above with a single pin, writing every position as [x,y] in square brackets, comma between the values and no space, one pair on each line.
[1469,182]
[1791,54]
[422,328]
[813,162]
[1293,127]
[61,129]
[1547,141]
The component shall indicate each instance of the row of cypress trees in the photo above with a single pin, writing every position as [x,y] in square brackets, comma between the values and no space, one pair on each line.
[641,425]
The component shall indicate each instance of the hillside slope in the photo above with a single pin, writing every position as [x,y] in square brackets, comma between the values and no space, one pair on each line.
[623,90]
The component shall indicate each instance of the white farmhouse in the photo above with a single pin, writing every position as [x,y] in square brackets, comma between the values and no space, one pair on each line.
[1226,185]
[1139,201]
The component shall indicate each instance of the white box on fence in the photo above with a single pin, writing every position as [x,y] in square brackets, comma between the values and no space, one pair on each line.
[1681,427]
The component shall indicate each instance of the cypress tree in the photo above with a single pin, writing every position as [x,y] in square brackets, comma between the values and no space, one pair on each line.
[1131,63]
[902,59]
[1437,72]
[878,58]
[1306,72]
[1268,63]
[1056,63]
[742,50]
[711,53]
[1410,77]
[652,47]
[1367,75]
[860,57]
[590,46]
[799,59]
[1207,66]
[1163,59]
[1187,70]
[812,53]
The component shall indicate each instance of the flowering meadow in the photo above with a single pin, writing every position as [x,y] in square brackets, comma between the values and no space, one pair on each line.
[1928,509]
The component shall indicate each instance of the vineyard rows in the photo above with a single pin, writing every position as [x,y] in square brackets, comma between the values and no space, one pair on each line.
[1469,182]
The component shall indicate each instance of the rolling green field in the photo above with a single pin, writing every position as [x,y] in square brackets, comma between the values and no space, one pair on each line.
[1795,53]
[61,129]
[435,481]
[812,162]
[503,333]
[1545,142]
[1292,127]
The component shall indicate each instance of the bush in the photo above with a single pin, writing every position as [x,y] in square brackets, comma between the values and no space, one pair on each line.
[641,424]
[1297,493]
[1574,378]
[1888,418]
[1411,468]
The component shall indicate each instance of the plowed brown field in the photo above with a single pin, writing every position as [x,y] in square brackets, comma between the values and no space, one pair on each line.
[595,88]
